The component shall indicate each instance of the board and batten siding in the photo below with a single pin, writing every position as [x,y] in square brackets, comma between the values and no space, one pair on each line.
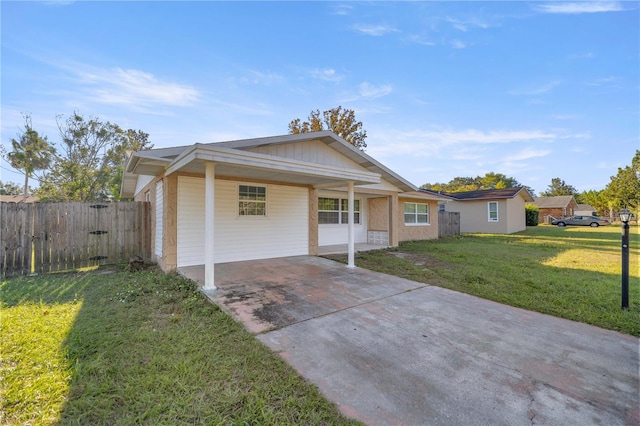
[159,218]
[283,232]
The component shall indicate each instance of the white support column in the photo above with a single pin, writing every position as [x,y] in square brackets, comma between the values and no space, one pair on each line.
[209,223]
[352,246]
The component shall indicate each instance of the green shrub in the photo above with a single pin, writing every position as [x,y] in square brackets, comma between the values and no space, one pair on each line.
[531,212]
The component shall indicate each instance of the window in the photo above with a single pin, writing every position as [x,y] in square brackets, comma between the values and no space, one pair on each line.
[252,200]
[493,211]
[336,211]
[147,196]
[416,214]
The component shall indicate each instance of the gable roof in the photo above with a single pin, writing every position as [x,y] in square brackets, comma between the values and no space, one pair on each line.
[585,207]
[236,154]
[559,201]
[485,194]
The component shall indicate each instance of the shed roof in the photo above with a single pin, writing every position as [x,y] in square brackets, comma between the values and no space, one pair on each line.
[485,194]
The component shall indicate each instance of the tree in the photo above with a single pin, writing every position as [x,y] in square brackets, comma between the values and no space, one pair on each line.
[623,190]
[558,187]
[490,180]
[340,121]
[90,167]
[30,153]
[10,188]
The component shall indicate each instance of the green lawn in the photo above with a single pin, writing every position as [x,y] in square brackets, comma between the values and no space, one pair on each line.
[572,272]
[111,347]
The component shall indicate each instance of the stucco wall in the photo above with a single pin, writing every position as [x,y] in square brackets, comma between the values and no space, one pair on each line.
[418,232]
[378,214]
[516,217]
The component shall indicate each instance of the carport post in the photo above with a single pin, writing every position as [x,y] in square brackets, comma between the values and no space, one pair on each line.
[209,221]
[351,246]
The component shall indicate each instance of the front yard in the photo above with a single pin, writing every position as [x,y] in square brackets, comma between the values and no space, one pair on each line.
[111,347]
[572,272]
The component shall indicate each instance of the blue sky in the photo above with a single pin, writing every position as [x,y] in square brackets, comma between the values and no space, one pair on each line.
[533,90]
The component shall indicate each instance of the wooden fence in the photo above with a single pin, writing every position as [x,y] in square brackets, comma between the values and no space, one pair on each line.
[49,237]
[448,224]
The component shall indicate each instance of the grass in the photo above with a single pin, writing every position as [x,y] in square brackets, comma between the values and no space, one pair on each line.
[111,348]
[572,272]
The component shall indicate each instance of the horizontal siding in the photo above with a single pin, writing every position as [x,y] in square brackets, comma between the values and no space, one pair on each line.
[312,152]
[284,232]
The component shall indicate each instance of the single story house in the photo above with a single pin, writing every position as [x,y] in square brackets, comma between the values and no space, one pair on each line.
[585,210]
[558,207]
[488,211]
[272,197]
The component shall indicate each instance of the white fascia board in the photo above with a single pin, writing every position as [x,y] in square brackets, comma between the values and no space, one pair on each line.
[262,161]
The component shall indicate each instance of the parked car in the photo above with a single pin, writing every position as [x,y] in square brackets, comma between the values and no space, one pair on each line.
[593,221]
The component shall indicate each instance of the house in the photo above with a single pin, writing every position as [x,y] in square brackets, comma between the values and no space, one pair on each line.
[585,210]
[489,211]
[18,198]
[272,197]
[557,207]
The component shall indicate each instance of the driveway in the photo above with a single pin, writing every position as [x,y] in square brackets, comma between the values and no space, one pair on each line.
[390,351]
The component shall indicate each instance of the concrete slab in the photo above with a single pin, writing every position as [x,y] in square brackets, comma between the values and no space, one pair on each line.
[390,351]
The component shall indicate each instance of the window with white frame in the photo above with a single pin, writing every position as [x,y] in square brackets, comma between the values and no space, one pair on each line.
[493,211]
[336,211]
[252,200]
[416,214]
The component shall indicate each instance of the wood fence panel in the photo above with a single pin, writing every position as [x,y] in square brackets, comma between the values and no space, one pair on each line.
[64,236]
[448,224]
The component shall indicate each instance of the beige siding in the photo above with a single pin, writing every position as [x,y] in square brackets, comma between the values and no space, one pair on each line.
[311,152]
[474,215]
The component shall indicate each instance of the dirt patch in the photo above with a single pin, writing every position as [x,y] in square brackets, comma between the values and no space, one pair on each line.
[421,259]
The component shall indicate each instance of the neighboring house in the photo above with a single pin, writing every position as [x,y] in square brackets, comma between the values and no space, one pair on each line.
[558,207]
[490,211]
[272,197]
[585,210]
[17,198]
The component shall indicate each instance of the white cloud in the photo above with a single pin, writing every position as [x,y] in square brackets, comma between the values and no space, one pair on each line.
[580,7]
[342,9]
[327,74]
[420,40]
[421,143]
[135,88]
[262,78]
[374,30]
[457,44]
[370,91]
[527,154]
[535,91]
[465,25]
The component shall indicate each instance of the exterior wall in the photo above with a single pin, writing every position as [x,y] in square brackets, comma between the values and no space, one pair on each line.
[516,218]
[378,219]
[474,216]
[313,222]
[557,212]
[157,217]
[283,232]
[339,234]
[311,152]
[417,232]
[141,195]
[169,259]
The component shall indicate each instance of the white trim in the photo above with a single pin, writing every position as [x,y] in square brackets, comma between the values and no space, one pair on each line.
[416,214]
[497,219]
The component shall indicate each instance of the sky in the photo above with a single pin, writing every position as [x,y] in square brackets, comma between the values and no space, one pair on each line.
[532,90]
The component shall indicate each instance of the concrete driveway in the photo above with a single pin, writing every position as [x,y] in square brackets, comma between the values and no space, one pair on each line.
[390,351]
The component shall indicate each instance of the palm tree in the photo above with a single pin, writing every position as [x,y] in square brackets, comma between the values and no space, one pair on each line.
[32,152]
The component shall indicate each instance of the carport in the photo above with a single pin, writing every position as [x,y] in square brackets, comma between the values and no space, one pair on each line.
[392,351]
